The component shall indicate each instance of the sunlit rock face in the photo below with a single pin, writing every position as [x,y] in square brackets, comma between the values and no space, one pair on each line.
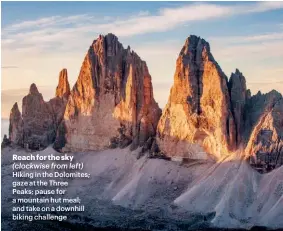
[58,105]
[264,128]
[259,122]
[63,88]
[112,101]
[112,105]
[37,126]
[198,113]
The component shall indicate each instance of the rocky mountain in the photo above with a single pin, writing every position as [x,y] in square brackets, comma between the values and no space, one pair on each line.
[38,123]
[36,127]
[264,128]
[198,113]
[112,102]
[112,105]
[207,111]
[239,96]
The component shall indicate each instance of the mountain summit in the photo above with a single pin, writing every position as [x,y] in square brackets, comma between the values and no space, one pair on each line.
[198,112]
[206,111]
[112,105]
[112,102]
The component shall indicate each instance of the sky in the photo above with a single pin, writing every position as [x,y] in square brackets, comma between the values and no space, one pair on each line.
[40,38]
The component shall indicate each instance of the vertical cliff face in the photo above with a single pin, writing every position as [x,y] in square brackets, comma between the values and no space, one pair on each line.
[259,122]
[37,126]
[239,96]
[58,103]
[16,126]
[264,127]
[112,101]
[58,106]
[198,111]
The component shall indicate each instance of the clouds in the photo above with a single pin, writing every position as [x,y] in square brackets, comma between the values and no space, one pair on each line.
[42,47]
[48,21]
[257,47]
[258,55]
[53,30]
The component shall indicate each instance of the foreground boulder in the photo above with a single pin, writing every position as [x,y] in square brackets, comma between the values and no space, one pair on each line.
[112,101]
[198,113]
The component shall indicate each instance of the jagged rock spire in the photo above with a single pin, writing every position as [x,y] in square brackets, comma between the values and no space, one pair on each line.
[33,89]
[36,127]
[239,95]
[63,88]
[16,125]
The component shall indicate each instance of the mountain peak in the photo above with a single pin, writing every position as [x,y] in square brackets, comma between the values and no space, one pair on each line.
[196,42]
[15,107]
[113,83]
[33,89]
[196,49]
[63,88]
[198,106]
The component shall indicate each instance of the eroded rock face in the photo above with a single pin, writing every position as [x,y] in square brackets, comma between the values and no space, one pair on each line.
[37,126]
[5,142]
[198,111]
[63,88]
[58,106]
[16,126]
[112,99]
[239,96]
[264,128]
[259,122]
[112,105]
[58,103]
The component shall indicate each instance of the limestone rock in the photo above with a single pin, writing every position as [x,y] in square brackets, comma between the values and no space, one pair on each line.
[39,127]
[113,90]
[58,106]
[5,142]
[198,110]
[239,95]
[16,126]
[40,121]
[264,128]
[63,88]
[58,103]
